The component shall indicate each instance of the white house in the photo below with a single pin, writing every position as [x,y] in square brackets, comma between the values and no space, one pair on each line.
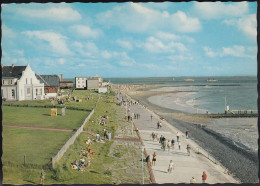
[93,82]
[20,83]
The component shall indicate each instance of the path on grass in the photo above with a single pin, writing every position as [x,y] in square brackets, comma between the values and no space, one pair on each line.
[69,130]
[185,167]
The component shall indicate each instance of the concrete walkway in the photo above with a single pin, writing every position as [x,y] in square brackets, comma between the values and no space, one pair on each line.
[185,167]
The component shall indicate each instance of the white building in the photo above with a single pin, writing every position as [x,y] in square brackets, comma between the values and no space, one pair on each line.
[20,83]
[93,82]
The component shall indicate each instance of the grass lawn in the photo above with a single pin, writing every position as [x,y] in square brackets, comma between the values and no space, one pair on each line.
[40,117]
[38,145]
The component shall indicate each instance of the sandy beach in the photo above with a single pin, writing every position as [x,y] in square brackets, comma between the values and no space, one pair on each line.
[234,150]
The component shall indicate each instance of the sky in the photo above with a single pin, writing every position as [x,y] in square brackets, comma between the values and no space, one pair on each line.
[166,39]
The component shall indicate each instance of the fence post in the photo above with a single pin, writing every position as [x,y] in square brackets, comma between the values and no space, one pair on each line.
[24,159]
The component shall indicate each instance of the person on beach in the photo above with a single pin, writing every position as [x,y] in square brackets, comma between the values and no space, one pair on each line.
[187,134]
[172,143]
[160,141]
[188,149]
[151,117]
[193,180]
[153,136]
[154,159]
[168,145]
[179,144]
[204,177]
[170,167]
[42,177]
[158,125]
[178,136]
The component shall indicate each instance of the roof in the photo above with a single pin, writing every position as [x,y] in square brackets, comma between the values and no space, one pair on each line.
[13,71]
[49,80]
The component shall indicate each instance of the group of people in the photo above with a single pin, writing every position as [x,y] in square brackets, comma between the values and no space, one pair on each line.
[203,178]
[137,116]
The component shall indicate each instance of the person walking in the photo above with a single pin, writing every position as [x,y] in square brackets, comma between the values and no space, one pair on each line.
[187,134]
[178,136]
[170,167]
[42,177]
[172,143]
[151,117]
[169,145]
[158,125]
[193,180]
[204,177]
[179,144]
[188,149]
[154,159]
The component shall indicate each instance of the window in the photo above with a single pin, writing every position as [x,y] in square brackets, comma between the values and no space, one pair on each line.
[11,82]
[2,92]
[36,91]
[40,92]
[28,91]
[31,80]
[13,93]
[3,82]
[26,81]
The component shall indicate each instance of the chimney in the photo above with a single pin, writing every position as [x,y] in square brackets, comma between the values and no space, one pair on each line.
[61,78]
[12,65]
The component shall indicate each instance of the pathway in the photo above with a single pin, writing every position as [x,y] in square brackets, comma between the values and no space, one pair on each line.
[185,167]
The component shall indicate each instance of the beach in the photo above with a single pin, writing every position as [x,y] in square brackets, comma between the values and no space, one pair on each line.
[229,143]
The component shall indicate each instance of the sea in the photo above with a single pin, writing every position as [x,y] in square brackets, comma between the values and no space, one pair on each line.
[209,95]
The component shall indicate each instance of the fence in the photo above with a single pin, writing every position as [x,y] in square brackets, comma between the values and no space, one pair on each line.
[70,141]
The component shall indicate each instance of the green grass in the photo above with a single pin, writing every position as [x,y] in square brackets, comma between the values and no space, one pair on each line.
[40,117]
[38,145]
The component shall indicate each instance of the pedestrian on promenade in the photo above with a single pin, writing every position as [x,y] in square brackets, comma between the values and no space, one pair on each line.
[188,149]
[168,145]
[179,144]
[193,180]
[187,134]
[178,136]
[151,117]
[42,177]
[154,159]
[204,177]
[160,141]
[158,125]
[153,136]
[170,167]
[172,143]
[164,144]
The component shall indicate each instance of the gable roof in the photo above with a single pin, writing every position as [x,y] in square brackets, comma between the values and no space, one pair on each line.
[12,71]
[49,80]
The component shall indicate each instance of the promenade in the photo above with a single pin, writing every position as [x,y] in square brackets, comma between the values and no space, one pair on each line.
[185,167]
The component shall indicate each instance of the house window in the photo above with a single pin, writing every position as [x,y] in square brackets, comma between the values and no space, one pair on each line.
[13,93]
[40,91]
[36,90]
[28,91]
[11,82]
[26,81]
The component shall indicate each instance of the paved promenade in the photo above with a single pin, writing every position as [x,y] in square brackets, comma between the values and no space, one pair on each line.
[185,167]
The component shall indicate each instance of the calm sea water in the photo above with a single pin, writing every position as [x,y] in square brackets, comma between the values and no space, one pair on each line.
[240,91]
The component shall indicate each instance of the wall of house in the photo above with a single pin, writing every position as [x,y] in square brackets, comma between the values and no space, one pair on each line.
[9,92]
[50,89]
[63,85]
[92,84]
[29,87]
[80,82]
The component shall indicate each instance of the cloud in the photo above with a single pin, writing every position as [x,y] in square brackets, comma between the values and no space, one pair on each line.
[217,10]
[7,32]
[61,61]
[246,24]
[62,14]
[105,54]
[56,41]
[134,17]
[124,44]
[155,45]
[234,51]
[86,31]
[170,36]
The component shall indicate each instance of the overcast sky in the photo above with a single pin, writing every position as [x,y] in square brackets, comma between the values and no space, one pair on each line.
[132,39]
